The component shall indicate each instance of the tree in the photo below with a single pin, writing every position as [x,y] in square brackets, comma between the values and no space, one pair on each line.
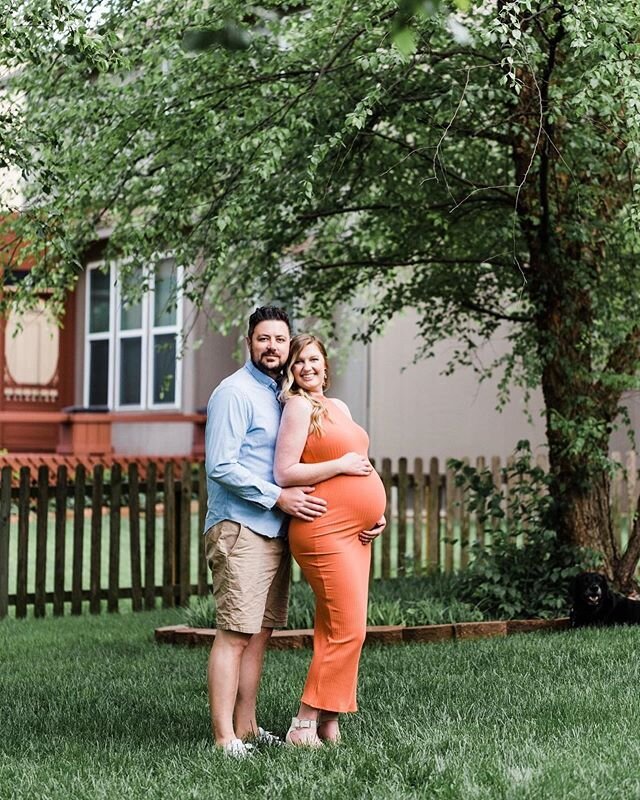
[35,35]
[486,183]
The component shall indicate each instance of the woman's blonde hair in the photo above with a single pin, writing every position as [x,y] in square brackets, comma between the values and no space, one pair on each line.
[289,387]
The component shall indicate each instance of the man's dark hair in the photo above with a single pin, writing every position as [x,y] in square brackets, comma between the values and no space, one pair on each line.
[267,313]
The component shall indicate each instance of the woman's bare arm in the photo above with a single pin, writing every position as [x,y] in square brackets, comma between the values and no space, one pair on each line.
[292,436]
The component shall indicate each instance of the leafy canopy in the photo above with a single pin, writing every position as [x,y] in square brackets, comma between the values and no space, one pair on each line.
[319,163]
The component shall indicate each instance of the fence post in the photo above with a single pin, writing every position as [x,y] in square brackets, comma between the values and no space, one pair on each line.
[496,474]
[418,505]
[375,545]
[134,537]
[78,539]
[480,526]
[168,571]
[96,539]
[41,540]
[433,516]
[402,517]
[386,542]
[203,587]
[150,537]
[185,533]
[450,500]
[23,541]
[510,484]
[114,538]
[5,530]
[465,527]
[60,536]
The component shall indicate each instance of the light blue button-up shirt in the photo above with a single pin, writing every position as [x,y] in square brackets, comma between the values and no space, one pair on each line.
[243,416]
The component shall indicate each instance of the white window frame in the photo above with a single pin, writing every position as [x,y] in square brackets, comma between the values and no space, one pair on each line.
[119,335]
[100,336]
[158,330]
[115,335]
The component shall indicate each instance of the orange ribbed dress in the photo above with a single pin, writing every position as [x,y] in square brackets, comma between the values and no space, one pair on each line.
[336,563]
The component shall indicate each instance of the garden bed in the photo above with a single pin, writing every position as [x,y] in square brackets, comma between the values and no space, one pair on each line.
[376,634]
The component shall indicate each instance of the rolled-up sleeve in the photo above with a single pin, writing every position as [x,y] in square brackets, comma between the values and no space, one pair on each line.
[228,421]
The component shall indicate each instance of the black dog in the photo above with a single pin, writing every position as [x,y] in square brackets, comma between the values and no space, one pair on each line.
[595,604]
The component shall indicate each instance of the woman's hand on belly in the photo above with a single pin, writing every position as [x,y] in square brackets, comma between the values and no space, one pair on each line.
[366,537]
[355,464]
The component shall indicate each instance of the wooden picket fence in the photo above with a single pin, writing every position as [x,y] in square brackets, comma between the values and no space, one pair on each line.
[89,537]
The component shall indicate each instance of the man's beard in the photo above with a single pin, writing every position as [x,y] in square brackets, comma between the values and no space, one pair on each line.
[258,364]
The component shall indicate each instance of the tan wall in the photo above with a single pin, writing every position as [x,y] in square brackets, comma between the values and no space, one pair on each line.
[152,438]
[412,410]
[620,441]
[212,361]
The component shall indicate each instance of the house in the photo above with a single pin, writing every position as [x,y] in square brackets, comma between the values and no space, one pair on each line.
[113,379]
[130,380]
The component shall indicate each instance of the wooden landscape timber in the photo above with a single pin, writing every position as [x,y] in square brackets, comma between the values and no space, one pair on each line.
[377,634]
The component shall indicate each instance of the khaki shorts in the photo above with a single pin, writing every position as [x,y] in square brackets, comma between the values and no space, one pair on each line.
[250,577]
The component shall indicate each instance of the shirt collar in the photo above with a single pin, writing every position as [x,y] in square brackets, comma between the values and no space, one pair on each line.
[265,380]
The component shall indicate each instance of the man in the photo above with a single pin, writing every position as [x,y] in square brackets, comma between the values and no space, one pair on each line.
[246,545]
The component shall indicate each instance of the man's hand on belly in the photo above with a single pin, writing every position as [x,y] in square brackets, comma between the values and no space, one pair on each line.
[298,501]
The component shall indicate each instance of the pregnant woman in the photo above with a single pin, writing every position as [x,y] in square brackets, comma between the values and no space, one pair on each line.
[320,444]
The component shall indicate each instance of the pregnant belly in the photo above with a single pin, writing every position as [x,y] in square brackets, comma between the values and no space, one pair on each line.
[354,503]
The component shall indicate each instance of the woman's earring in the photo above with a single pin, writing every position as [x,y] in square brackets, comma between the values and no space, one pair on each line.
[324,382]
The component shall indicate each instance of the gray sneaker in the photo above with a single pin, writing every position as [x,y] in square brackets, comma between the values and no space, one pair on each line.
[267,738]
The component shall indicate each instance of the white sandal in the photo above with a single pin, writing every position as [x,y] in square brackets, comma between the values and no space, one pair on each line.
[304,724]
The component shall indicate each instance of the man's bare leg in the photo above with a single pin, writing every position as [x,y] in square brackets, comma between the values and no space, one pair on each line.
[245,723]
[223,676]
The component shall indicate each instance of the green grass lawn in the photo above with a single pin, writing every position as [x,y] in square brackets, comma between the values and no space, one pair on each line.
[92,708]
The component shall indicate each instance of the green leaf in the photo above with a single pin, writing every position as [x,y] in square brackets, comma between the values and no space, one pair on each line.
[405,40]
[229,37]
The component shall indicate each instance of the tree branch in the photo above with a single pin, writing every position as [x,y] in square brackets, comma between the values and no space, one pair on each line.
[391,262]
[330,212]
[489,312]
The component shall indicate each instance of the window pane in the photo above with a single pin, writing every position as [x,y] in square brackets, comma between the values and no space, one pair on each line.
[130,371]
[164,306]
[98,301]
[99,373]
[131,313]
[164,368]
[131,317]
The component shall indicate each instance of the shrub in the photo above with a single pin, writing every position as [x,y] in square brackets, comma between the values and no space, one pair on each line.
[426,600]
[523,570]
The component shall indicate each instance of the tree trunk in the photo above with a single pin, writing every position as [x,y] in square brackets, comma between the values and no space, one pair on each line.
[584,511]
[578,424]
[579,419]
